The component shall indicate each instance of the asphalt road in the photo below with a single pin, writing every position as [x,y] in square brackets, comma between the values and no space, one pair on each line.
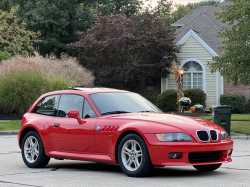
[13,172]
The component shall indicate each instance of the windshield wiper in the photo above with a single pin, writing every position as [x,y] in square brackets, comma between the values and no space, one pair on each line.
[114,112]
[147,111]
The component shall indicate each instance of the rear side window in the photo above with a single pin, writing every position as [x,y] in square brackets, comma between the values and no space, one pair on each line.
[47,106]
[70,102]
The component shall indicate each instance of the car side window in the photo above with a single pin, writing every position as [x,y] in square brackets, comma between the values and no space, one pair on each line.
[88,112]
[47,106]
[70,102]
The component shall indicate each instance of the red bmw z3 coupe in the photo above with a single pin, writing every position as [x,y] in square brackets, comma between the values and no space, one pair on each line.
[116,126]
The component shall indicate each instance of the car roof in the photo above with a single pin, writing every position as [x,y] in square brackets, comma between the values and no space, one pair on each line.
[86,90]
[97,89]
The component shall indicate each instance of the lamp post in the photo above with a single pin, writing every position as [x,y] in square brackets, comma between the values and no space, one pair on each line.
[181,71]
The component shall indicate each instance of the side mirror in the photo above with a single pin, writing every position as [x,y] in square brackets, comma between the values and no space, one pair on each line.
[74,114]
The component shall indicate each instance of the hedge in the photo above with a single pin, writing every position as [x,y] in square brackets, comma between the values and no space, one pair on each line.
[167,101]
[236,101]
[197,96]
[152,98]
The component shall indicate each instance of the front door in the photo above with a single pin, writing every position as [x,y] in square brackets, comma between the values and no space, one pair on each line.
[66,133]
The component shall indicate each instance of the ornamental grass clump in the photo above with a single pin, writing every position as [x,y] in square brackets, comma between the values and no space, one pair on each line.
[49,67]
[23,80]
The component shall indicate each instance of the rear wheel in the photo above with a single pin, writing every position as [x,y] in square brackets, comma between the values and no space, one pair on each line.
[133,156]
[33,151]
[210,167]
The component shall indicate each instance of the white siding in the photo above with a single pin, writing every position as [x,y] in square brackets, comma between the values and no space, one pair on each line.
[193,49]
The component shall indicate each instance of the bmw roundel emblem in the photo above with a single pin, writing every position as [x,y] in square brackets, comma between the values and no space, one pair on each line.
[97,128]
[205,128]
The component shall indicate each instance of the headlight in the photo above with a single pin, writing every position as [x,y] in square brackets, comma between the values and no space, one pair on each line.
[224,135]
[174,137]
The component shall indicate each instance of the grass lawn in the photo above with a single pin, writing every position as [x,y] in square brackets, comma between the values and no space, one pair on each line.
[10,125]
[234,117]
[240,127]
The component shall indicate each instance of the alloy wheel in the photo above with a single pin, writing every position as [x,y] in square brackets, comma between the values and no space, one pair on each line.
[131,155]
[31,149]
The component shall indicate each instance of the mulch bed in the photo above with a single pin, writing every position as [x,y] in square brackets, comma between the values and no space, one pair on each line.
[11,116]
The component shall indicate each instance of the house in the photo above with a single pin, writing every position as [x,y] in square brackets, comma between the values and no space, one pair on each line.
[197,32]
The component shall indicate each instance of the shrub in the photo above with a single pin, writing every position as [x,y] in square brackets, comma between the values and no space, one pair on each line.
[236,101]
[152,98]
[20,90]
[167,101]
[4,56]
[23,80]
[197,96]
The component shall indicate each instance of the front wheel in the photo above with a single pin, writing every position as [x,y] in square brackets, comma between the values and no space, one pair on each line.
[210,167]
[33,151]
[133,156]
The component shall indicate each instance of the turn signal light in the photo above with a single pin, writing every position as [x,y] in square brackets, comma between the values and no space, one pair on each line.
[174,155]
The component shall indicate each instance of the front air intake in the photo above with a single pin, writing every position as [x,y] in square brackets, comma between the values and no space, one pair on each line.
[214,135]
[203,136]
[204,157]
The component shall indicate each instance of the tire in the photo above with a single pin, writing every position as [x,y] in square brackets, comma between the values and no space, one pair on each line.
[210,167]
[133,151]
[33,151]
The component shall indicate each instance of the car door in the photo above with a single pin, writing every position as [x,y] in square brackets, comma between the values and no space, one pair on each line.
[66,133]
[43,113]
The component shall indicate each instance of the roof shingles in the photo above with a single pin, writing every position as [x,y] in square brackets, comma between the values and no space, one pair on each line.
[203,21]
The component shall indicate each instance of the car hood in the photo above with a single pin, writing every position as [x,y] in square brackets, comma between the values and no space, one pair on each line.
[159,121]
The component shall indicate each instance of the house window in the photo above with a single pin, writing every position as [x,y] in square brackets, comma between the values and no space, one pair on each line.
[192,77]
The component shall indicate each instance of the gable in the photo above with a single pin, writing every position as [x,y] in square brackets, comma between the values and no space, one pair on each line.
[192,39]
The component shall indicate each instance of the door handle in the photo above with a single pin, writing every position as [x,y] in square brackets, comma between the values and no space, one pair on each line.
[56,124]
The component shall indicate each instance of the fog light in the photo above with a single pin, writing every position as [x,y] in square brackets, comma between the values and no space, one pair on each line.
[230,152]
[174,155]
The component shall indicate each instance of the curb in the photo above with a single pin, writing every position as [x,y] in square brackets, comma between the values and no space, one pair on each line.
[245,137]
[8,132]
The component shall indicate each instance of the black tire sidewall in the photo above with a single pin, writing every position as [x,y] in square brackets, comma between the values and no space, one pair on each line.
[146,162]
[42,159]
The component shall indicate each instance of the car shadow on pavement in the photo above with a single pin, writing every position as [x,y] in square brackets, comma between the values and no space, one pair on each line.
[183,172]
[115,168]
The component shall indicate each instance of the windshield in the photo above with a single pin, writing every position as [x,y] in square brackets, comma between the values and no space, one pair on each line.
[116,103]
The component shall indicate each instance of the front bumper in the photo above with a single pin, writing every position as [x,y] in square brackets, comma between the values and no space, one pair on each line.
[159,151]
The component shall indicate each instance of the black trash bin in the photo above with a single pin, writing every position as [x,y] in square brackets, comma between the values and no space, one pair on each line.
[221,115]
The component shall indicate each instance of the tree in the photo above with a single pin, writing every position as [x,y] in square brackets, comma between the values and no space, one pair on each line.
[59,21]
[234,63]
[14,37]
[163,10]
[182,10]
[122,52]
[108,7]
[6,5]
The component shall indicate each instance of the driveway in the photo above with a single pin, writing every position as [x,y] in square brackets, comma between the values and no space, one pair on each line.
[13,172]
